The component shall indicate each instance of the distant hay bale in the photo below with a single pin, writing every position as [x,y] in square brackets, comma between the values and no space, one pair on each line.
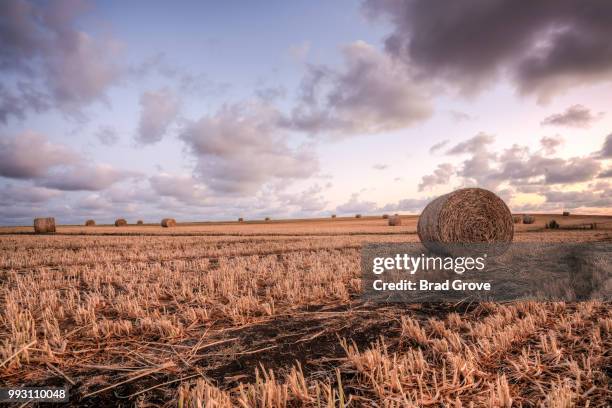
[385,216]
[44,225]
[395,221]
[466,216]
[517,219]
[357,215]
[120,222]
[333,215]
[566,213]
[90,223]
[552,224]
[140,222]
[528,219]
[240,219]
[267,219]
[168,222]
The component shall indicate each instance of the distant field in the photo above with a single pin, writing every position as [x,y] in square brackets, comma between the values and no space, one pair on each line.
[267,314]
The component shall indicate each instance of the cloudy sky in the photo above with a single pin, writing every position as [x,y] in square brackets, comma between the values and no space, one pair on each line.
[215,110]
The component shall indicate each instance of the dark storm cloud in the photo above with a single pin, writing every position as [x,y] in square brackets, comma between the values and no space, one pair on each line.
[574,116]
[241,148]
[373,93]
[56,64]
[544,46]
[30,155]
[158,111]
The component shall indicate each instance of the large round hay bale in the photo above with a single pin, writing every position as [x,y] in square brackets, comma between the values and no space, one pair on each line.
[140,222]
[528,219]
[451,222]
[90,223]
[120,222]
[168,222]
[44,225]
[395,221]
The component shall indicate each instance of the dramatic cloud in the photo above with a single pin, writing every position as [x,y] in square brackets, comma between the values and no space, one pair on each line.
[372,94]
[30,155]
[158,111]
[441,175]
[546,47]
[606,174]
[183,188]
[12,194]
[380,166]
[606,150]
[107,135]
[85,177]
[408,204]
[575,116]
[48,62]
[240,148]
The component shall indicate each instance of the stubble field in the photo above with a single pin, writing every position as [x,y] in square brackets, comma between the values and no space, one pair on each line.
[269,314]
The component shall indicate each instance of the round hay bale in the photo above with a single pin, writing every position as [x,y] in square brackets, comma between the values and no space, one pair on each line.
[385,216]
[140,222]
[120,222]
[395,220]
[517,219]
[333,215]
[240,219]
[451,222]
[267,219]
[168,222]
[566,213]
[528,219]
[357,215]
[44,225]
[553,224]
[90,223]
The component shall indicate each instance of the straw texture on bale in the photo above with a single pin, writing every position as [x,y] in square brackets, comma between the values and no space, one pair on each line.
[90,223]
[528,219]
[168,222]
[120,222]
[517,219]
[395,220]
[139,222]
[44,225]
[566,213]
[466,216]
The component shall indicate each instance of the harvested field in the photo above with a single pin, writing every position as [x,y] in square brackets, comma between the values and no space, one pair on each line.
[268,314]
